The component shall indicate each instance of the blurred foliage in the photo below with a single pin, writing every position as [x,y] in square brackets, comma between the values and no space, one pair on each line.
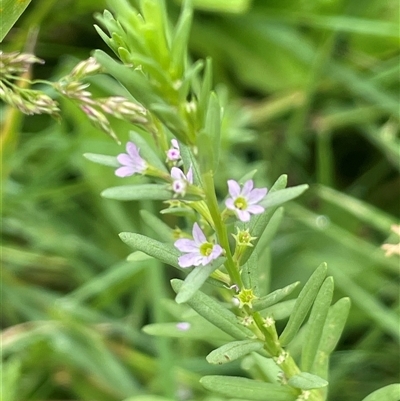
[313,92]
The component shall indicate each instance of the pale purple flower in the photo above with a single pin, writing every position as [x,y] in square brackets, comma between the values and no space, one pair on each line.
[244,201]
[180,180]
[131,161]
[197,251]
[173,153]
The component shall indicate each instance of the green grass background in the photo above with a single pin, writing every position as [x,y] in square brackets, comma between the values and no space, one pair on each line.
[312,91]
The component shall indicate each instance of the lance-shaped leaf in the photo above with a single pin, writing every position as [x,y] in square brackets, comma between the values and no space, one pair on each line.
[274,297]
[303,304]
[189,160]
[213,127]
[247,389]
[315,324]
[138,192]
[259,222]
[180,41]
[206,152]
[170,117]
[233,350]
[283,195]
[307,381]
[281,310]
[205,91]
[162,230]
[132,79]
[105,160]
[250,274]
[215,313]
[387,393]
[271,229]
[334,325]
[166,253]
[155,16]
[196,279]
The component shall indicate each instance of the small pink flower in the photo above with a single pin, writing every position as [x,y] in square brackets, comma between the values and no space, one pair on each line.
[180,180]
[131,162]
[173,153]
[198,251]
[244,201]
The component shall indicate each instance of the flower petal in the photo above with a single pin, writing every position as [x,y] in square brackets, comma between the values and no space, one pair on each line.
[177,174]
[125,171]
[229,203]
[255,209]
[247,187]
[256,195]
[124,159]
[189,259]
[198,235]
[132,150]
[243,215]
[216,252]
[175,143]
[234,188]
[186,245]
[189,175]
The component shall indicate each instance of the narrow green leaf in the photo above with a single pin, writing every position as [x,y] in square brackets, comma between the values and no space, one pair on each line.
[360,209]
[11,10]
[384,317]
[162,230]
[206,152]
[307,381]
[316,324]
[279,184]
[138,192]
[189,160]
[132,79]
[387,393]
[215,313]
[170,117]
[271,229]
[281,310]
[110,161]
[274,297]
[303,304]
[247,389]
[172,330]
[283,195]
[146,151]
[195,330]
[334,325]
[180,41]
[259,222]
[250,274]
[155,15]
[205,91]
[213,127]
[233,350]
[227,6]
[196,279]
[105,281]
[164,252]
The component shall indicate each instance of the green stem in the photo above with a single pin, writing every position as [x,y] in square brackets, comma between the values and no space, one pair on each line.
[220,228]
